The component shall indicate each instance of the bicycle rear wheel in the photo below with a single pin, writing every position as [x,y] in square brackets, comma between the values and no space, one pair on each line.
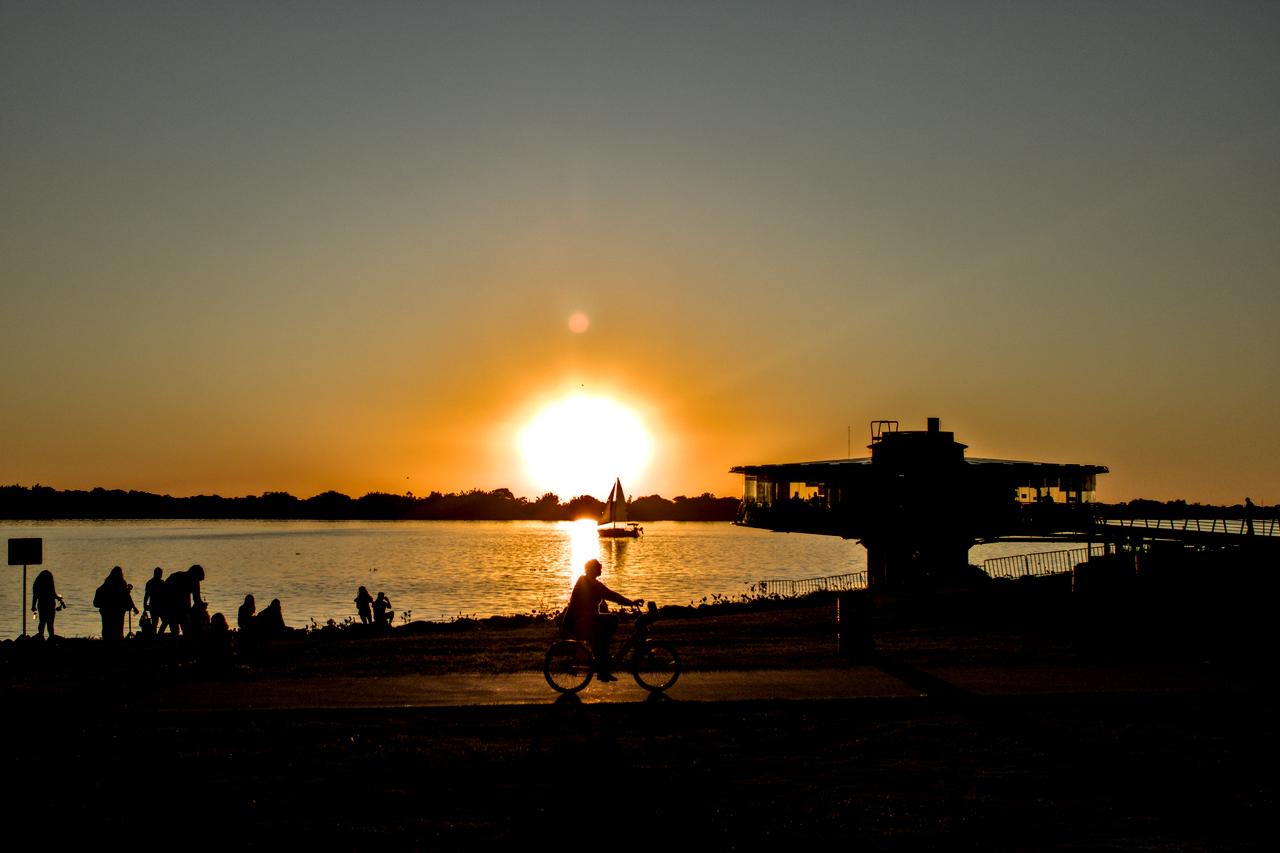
[657,666]
[569,666]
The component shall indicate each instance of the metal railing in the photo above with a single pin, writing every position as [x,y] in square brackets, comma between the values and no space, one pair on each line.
[1233,526]
[804,586]
[1038,565]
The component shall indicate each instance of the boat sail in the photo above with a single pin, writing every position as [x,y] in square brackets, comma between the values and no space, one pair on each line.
[614,524]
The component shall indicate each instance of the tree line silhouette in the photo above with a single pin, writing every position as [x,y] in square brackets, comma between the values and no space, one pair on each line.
[1179,509]
[43,502]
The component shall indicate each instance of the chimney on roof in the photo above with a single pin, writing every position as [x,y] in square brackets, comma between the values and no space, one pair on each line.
[934,424]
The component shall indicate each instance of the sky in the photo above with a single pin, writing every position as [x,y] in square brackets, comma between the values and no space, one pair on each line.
[360,246]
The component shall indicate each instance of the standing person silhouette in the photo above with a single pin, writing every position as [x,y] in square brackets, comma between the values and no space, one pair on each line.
[113,599]
[182,595]
[364,606]
[587,617]
[153,597]
[45,602]
[1248,517]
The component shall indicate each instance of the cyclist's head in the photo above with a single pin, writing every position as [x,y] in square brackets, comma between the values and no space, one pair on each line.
[592,569]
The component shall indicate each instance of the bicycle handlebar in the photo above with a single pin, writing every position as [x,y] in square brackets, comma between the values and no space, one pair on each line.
[646,616]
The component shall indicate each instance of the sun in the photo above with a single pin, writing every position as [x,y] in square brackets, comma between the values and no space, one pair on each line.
[578,445]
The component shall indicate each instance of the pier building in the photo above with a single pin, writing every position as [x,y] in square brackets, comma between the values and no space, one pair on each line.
[918,503]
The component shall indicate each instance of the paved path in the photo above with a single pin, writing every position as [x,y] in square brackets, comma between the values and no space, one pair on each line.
[890,679]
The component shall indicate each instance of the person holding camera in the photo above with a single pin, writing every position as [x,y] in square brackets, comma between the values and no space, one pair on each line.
[45,602]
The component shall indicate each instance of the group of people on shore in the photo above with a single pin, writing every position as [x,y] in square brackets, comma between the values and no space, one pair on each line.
[374,611]
[172,604]
[260,626]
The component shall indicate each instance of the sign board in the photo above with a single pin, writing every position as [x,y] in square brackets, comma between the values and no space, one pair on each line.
[26,552]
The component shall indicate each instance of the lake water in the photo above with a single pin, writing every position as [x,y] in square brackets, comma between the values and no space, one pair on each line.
[436,570]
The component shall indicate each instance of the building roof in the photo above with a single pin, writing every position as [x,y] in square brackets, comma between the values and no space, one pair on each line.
[1014,466]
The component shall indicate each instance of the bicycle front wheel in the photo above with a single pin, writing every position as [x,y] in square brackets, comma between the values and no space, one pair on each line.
[569,666]
[657,666]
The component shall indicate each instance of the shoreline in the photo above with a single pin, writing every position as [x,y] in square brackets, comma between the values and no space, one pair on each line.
[431,570]
[1055,734]
[1039,621]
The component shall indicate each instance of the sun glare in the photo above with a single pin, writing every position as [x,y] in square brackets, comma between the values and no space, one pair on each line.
[579,444]
[584,544]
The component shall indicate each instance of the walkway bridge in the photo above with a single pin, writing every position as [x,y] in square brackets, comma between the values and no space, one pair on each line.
[1199,532]
[1213,533]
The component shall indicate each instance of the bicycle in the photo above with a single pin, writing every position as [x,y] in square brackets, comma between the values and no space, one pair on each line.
[570,664]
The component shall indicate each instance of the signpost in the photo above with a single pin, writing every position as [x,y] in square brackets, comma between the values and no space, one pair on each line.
[25,552]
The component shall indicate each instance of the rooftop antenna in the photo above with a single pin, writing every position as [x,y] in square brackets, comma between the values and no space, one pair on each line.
[848,441]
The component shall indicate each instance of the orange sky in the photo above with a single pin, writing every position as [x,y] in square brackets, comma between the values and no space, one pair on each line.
[340,248]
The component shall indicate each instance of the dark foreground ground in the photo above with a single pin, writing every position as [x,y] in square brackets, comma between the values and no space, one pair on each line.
[1185,766]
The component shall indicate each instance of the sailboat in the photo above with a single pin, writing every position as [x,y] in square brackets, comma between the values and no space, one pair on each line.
[614,524]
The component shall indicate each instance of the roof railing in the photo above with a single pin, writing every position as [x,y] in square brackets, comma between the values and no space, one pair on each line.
[880,428]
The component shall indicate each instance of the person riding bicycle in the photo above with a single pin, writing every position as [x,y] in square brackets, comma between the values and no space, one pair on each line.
[587,617]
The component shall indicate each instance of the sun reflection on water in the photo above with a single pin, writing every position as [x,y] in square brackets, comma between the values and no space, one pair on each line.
[584,544]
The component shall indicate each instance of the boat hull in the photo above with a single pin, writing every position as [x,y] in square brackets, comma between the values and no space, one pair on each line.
[618,532]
